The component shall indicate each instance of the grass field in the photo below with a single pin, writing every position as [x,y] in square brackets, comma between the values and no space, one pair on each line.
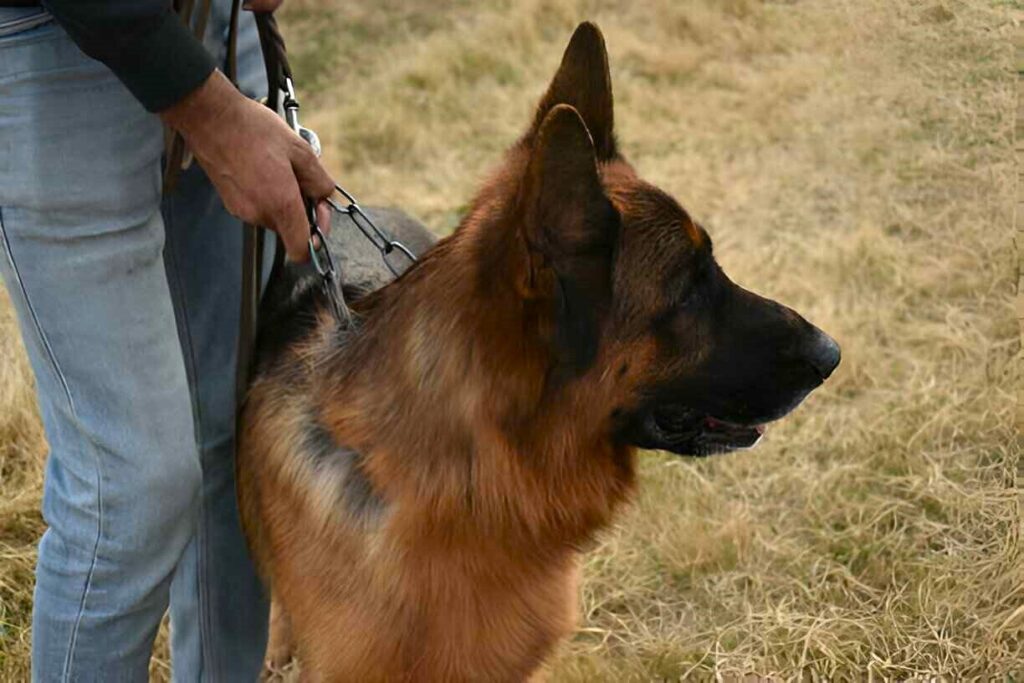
[851,158]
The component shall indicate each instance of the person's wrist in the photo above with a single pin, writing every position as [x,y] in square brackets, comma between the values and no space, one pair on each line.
[203,108]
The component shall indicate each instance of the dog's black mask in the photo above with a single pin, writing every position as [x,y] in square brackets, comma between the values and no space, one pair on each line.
[759,360]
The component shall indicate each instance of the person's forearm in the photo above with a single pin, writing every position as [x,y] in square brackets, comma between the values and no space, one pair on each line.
[261,169]
[142,41]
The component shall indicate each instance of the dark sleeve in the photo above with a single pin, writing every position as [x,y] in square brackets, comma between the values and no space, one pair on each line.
[143,42]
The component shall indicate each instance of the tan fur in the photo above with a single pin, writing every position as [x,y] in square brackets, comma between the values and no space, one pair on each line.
[491,465]
[471,573]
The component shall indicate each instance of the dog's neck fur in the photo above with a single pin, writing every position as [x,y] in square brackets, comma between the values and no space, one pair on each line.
[518,456]
[511,408]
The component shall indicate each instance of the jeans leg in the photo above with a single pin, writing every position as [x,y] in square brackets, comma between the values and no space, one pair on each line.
[82,239]
[216,585]
[218,609]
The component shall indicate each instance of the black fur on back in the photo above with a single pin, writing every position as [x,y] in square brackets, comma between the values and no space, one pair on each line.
[295,293]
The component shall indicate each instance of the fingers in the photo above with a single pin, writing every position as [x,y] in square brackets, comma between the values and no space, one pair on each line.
[291,223]
[313,179]
[323,217]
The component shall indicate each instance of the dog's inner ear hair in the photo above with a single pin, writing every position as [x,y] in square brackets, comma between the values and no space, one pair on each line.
[584,82]
[572,223]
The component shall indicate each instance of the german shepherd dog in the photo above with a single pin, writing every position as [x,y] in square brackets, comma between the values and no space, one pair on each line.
[417,486]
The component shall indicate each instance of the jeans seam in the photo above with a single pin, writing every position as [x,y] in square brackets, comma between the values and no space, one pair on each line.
[206,648]
[55,367]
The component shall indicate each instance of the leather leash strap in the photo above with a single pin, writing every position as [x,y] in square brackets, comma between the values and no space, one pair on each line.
[196,14]
[276,62]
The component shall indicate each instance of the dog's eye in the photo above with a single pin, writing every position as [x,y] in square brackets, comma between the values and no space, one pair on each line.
[697,288]
[684,290]
[692,291]
[689,298]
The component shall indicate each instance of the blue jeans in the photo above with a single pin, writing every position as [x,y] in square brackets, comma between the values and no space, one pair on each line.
[128,306]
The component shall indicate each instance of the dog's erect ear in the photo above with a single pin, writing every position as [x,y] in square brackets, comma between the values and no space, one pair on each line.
[583,82]
[573,227]
[567,213]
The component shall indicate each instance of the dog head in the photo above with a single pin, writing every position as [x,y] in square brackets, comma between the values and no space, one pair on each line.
[697,363]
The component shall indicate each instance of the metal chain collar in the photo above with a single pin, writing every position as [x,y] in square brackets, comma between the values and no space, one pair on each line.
[319,252]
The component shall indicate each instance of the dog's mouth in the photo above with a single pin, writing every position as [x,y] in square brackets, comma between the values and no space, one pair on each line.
[684,431]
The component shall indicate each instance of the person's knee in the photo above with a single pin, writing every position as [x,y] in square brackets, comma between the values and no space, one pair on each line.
[161,502]
[136,509]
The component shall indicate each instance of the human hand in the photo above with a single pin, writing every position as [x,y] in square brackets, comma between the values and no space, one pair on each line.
[259,166]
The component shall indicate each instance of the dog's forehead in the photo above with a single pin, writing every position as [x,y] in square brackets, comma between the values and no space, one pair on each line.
[653,222]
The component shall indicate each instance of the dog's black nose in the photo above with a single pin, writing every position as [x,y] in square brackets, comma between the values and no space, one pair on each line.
[822,352]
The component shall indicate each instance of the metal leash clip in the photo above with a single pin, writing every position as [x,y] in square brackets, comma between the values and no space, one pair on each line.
[319,253]
[291,116]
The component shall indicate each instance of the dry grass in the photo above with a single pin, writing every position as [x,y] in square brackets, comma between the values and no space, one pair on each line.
[851,158]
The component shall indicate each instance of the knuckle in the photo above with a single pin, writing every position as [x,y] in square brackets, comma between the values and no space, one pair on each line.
[244,211]
[282,207]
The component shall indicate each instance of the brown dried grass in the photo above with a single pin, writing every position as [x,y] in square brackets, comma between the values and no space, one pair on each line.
[852,159]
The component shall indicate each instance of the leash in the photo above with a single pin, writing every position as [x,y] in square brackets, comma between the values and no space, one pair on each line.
[281,83]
